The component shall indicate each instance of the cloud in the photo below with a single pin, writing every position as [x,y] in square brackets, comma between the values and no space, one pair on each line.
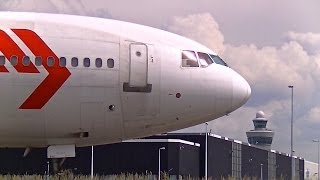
[310,41]
[310,38]
[54,6]
[199,27]
[313,115]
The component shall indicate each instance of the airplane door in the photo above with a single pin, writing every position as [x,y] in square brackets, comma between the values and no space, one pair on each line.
[140,76]
[138,69]
[138,65]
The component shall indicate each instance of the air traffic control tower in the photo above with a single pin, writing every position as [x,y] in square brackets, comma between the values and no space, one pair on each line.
[260,136]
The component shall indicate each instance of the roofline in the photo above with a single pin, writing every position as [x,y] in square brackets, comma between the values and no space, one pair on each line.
[162,141]
[232,140]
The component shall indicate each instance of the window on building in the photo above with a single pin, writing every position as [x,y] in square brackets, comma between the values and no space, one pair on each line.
[204,59]
[86,62]
[74,62]
[2,60]
[14,60]
[50,61]
[38,61]
[98,62]
[260,124]
[260,140]
[189,59]
[236,160]
[26,60]
[62,62]
[110,63]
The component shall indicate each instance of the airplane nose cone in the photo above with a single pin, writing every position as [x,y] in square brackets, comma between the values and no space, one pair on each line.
[241,91]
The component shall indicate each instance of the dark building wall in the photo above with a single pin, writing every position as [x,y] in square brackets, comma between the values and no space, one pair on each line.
[219,153]
[81,164]
[177,158]
[173,156]
[219,158]
[189,160]
[301,168]
[197,138]
[283,166]
[13,162]
[139,158]
[251,161]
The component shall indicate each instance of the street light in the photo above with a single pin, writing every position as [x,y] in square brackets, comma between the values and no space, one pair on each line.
[292,152]
[91,162]
[159,171]
[206,154]
[261,172]
[318,141]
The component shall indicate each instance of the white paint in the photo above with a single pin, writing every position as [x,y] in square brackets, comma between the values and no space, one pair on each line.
[162,140]
[61,151]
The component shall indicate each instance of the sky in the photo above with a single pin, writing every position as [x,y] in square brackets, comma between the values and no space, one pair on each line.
[271,43]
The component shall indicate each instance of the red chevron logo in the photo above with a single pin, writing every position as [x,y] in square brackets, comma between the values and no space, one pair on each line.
[56,77]
[9,48]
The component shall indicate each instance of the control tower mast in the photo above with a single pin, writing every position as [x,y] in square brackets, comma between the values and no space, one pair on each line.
[260,136]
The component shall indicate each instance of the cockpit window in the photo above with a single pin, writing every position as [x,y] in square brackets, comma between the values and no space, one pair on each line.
[189,59]
[218,60]
[204,59]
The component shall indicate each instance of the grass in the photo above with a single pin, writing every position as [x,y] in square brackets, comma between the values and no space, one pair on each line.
[70,176]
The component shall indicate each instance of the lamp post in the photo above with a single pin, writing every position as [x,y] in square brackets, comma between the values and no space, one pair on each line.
[261,172]
[91,162]
[48,170]
[206,154]
[318,141]
[292,151]
[159,171]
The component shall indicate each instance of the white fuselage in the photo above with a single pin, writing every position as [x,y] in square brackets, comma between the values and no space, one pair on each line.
[140,87]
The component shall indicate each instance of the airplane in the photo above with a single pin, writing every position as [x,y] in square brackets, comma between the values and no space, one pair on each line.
[83,81]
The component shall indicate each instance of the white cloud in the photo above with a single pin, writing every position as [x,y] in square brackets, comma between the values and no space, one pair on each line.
[270,70]
[310,38]
[313,116]
[199,27]
[54,6]
[310,41]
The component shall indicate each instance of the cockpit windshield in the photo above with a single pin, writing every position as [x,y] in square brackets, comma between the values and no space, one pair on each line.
[193,59]
[218,60]
[204,59]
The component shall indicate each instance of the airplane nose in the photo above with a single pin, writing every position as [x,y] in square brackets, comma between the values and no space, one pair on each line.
[241,91]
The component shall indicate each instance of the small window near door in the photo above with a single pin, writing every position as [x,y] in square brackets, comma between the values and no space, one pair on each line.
[86,62]
[62,62]
[98,62]
[189,59]
[26,60]
[38,61]
[14,60]
[50,61]
[2,60]
[110,63]
[74,62]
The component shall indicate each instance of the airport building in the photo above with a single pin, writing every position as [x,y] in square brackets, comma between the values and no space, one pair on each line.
[311,170]
[181,155]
